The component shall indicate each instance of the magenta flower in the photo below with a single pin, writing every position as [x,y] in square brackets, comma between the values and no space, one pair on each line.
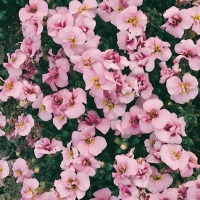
[24,125]
[72,185]
[182,91]
[86,142]
[44,146]
[177,21]
[35,9]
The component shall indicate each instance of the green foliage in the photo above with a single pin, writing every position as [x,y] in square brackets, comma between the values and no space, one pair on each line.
[21,2]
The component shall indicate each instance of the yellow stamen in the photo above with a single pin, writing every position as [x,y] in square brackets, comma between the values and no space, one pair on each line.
[133,20]
[9,85]
[96,83]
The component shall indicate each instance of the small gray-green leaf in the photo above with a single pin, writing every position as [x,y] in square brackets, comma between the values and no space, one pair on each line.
[2,14]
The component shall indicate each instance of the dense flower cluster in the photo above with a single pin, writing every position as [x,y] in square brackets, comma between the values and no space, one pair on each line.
[119,86]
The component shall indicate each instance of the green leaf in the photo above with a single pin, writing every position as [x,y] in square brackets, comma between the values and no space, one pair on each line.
[2,14]
[4,1]
[20,2]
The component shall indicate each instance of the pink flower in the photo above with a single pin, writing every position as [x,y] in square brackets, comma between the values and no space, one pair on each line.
[86,142]
[24,125]
[72,185]
[125,167]
[104,194]
[182,91]
[104,10]
[174,156]
[173,130]
[92,119]
[29,188]
[87,8]
[2,124]
[177,21]
[60,119]
[190,52]
[11,88]
[171,193]
[195,17]
[35,9]
[44,146]
[193,193]
[132,19]
[111,106]
[21,170]
[4,170]
[87,165]
[158,181]
[155,117]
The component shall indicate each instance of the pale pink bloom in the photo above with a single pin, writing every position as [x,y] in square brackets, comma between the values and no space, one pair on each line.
[52,58]
[11,88]
[29,91]
[192,164]
[174,156]
[72,185]
[177,21]
[95,80]
[87,165]
[93,119]
[193,193]
[4,170]
[173,130]
[195,17]
[87,8]
[150,143]
[15,60]
[182,192]
[116,126]
[60,119]
[86,142]
[35,9]
[56,75]
[159,50]
[111,106]
[129,192]
[125,167]
[126,41]
[104,10]
[74,103]
[130,121]
[190,52]
[166,73]
[141,179]
[159,181]
[2,124]
[28,190]
[32,27]
[21,170]
[86,60]
[57,22]
[194,183]
[44,146]
[69,154]
[182,91]
[113,61]
[155,117]
[154,157]
[72,40]
[141,59]
[170,194]
[43,113]
[143,86]
[29,46]
[24,125]
[133,20]
[104,194]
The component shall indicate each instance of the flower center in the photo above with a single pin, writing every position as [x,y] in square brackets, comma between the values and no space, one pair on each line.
[20,124]
[184,87]
[83,9]
[73,44]
[89,140]
[157,49]
[122,170]
[120,8]
[32,9]
[96,83]
[151,115]
[133,21]
[157,177]
[9,85]
[177,154]
[109,104]
[1,169]
[175,21]
[87,62]
[197,17]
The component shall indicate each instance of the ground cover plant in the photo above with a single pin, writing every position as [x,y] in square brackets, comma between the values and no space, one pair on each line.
[100,100]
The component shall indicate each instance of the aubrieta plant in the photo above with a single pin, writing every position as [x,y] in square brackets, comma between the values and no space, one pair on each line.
[106,97]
